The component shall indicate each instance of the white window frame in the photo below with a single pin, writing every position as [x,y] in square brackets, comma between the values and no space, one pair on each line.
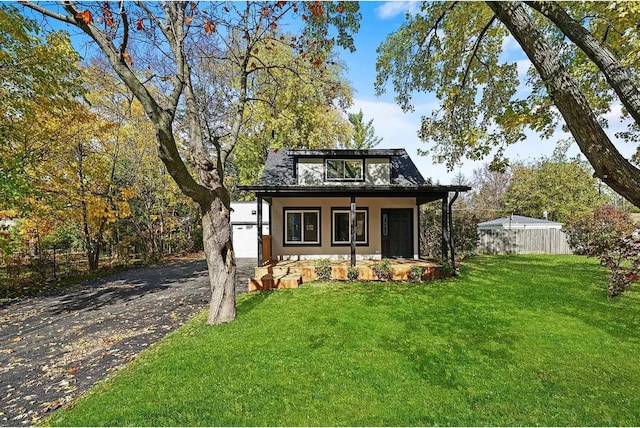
[343,178]
[348,212]
[302,212]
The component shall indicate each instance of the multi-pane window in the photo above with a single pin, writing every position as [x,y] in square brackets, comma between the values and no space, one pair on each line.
[302,226]
[343,169]
[341,227]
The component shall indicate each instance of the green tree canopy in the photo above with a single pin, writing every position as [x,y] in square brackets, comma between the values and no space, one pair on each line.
[584,61]
[560,188]
[297,105]
[37,74]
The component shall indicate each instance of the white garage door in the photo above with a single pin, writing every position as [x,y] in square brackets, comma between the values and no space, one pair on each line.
[245,239]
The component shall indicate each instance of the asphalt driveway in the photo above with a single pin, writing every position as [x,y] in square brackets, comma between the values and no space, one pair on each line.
[55,346]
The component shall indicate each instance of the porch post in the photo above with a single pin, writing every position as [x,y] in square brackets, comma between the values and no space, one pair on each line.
[259,211]
[353,231]
[445,227]
[451,234]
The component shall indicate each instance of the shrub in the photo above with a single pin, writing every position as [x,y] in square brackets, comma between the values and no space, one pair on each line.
[592,233]
[623,262]
[41,265]
[466,237]
[415,273]
[465,227]
[606,233]
[323,269]
[446,268]
[383,270]
[352,273]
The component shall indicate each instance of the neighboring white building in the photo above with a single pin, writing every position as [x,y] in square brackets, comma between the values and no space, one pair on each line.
[519,222]
[635,217]
[244,224]
[518,234]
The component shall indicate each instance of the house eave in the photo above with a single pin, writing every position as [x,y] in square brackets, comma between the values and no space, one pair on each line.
[425,193]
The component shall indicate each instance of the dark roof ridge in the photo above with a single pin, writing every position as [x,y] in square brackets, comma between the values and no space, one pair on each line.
[348,152]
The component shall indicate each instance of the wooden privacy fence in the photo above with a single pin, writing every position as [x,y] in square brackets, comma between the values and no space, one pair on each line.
[523,241]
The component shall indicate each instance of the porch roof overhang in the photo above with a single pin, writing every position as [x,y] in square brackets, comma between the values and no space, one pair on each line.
[422,193]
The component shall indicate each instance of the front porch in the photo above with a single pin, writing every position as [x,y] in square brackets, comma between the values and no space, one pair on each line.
[291,273]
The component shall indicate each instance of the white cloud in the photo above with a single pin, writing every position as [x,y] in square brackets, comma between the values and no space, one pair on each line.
[391,9]
[617,124]
[390,122]
[510,45]
[615,119]
[523,67]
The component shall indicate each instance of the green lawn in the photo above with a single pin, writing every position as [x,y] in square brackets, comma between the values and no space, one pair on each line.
[516,340]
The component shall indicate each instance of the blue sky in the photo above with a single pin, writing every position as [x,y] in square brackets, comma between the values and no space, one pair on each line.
[398,129]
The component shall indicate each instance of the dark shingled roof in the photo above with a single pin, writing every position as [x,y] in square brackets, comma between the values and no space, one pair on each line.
[279,167]
[278,178]
[404,171]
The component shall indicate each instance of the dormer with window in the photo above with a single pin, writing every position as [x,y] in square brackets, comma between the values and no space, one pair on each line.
[344,169]
[349,167]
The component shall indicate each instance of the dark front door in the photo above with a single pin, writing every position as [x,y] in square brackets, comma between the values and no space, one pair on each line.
[397,233]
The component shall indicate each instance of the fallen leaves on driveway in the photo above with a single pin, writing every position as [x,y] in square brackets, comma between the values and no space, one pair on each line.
[56,346]
[70,339]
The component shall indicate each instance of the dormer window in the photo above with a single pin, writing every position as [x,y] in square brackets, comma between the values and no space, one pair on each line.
[344,169]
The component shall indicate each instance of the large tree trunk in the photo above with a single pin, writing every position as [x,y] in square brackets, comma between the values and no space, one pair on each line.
[220,261]
[214,201]
[618,76]
[610,166]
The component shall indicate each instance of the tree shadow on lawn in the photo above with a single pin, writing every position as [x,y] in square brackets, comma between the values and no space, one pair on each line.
[571,286]
[437,327]
[251,301]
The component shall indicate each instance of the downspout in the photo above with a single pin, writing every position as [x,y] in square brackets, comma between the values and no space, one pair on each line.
[454,271]
[353,231]
[419,228]
[445,226]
